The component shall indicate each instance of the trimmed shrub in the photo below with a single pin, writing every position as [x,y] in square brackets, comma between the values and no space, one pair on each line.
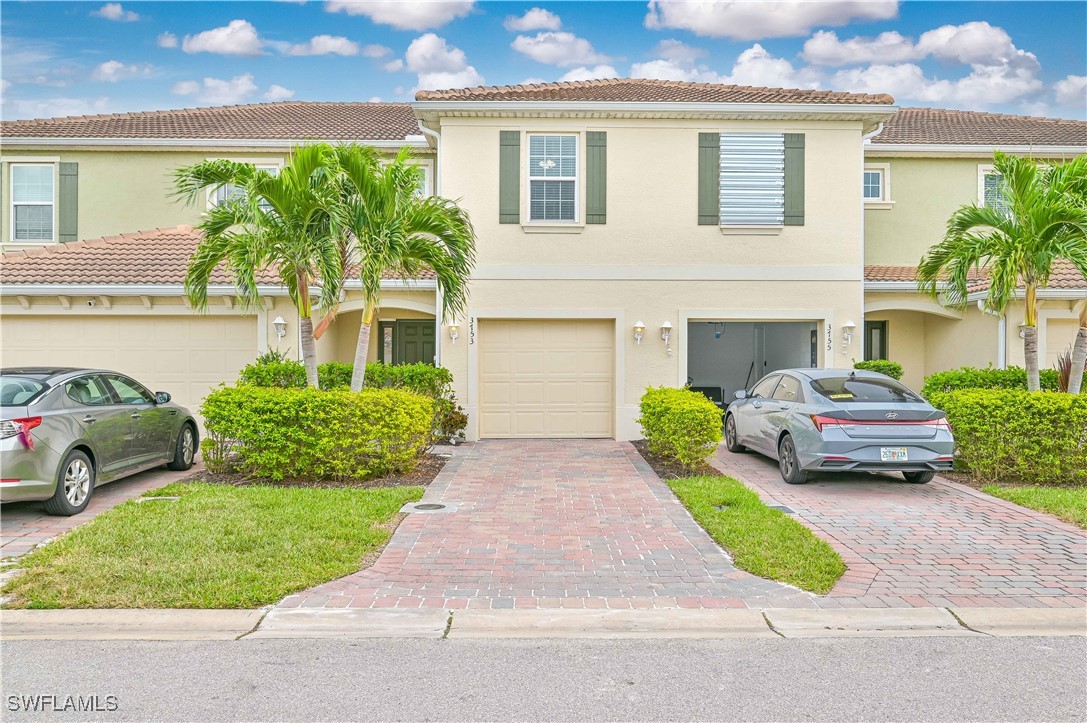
[881,366]
[989,378]
[284,373]
[334,375]
[680,425]
[1015,435]
[275,434]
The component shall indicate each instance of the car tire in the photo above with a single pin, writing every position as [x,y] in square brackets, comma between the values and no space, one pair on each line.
[75,485]
[731,442]
[919,478]
[789,463]
[184,449]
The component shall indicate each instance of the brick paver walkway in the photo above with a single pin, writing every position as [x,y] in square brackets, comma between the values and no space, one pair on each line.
[940,544]
[548,524]
[25,525]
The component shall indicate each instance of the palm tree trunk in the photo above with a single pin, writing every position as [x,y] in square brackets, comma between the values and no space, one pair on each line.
[309,350]
[358,374]
[1030,338]
[1079,357]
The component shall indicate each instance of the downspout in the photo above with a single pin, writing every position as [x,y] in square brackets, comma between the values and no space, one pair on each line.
[864,141]
[1002,343]
[437,192]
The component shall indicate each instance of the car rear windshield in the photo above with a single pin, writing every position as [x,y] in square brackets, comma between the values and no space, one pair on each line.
[860,389]
[18,391]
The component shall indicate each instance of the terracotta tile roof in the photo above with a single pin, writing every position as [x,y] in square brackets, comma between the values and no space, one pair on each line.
[159,256]
[1063,276]
[633,90]
[933,125]
[291,120]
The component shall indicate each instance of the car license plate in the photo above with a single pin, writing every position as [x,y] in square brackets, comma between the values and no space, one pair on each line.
[892,454]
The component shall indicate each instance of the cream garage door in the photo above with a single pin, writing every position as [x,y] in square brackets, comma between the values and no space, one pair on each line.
[546,378]
[183,355]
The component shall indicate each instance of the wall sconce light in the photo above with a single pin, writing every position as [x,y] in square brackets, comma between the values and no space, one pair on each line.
[666,332]
[1023,330]
[454,332]
[639,332]
[847,334]
[280,326]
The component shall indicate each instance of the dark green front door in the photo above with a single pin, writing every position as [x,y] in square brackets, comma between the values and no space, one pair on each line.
[413,341]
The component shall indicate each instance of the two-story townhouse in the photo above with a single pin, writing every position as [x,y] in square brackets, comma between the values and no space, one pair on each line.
[630,233]
[96,246]
[923,165]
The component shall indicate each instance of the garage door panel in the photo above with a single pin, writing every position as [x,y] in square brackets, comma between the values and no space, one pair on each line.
[560,382]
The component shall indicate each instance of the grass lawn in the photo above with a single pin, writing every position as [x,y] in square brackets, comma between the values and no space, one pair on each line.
[1067,503]
[219,546]
[762,541]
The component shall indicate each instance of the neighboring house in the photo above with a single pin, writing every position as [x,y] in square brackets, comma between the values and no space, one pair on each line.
[756,228]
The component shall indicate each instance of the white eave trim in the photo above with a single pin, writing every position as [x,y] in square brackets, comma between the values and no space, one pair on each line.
[1042,294]
[890,286]
[968,150]
[486,107]
[179,290]
[26,141]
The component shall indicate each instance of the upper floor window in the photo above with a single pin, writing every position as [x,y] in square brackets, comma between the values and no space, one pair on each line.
[228,192]
[873,185]
[991,189]
[752,179]
[876,185]
[552,178]
[32,199]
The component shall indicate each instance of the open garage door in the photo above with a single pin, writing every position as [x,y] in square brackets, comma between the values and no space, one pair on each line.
[183,355]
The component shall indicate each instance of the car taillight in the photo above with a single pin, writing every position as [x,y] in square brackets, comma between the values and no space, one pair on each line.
[21,427]
[820,421]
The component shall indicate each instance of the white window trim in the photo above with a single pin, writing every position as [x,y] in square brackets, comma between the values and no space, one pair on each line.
[884,201]
[12,204]
[984,169]
[544,224]
[258,162]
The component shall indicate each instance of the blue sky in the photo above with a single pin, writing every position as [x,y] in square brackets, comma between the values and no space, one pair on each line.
[65,58]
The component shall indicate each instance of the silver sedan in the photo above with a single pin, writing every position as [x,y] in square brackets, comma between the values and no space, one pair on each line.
[64,431]
[843,420]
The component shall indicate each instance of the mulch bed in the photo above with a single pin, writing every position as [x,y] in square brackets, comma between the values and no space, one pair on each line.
[424,473]
[667,469]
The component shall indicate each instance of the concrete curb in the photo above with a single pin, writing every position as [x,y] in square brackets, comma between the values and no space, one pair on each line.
[495,624]
[127,624]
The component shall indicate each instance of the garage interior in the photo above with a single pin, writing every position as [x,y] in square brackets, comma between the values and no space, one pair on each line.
[726,356]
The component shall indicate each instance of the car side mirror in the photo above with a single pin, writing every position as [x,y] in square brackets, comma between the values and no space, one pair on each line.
[741,394]
[162,397]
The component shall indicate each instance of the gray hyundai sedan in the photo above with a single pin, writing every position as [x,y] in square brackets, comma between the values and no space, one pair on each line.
[840,420]
[64,431]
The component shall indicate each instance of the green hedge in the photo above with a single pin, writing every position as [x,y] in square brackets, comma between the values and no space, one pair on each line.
[989,378]
[680,425]
[1013,435]
[273,433]
[881,366]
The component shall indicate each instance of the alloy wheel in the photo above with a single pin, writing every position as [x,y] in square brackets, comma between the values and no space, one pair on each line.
[77,482]
[730,432]
[187,444]
[787,456]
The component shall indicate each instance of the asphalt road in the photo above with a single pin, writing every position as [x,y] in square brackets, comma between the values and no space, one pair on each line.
[914,679]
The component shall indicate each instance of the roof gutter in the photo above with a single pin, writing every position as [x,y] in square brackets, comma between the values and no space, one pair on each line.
[25,141]
[179,290]
[491,106]
[970,150]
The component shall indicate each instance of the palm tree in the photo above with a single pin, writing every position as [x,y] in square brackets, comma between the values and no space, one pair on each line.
[1040,223]
[390,228]
[1079,350]
[275,221]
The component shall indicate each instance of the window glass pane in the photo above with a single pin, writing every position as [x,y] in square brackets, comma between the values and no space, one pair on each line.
[129,391]
[17,391]
[788,390]
[873,185]
[552,201]
[847,389]
[552,156]
[32,184]
[387,344]
[33,223]
[766,387]
[88,391]
[994,192]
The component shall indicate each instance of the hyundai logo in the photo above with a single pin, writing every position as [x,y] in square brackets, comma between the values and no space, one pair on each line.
[892,415]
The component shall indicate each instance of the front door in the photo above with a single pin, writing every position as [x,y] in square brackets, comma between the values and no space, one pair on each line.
[408,341]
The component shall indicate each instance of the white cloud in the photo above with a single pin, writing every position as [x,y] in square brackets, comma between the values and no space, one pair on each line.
[824,48]
[278,92]
[984,86]
[54,107]
[218,91]
[116,13]
[754,66]
[742,20]
[238,37]
[323,45]
[393,66]
[167,40]
[1037,108]
[439,65]
[112,71]
[533,19]
[374,99]
[375,51]
[1072,91]
[561,48]
[971,43]
[594,73]
[404,15]
[678,52]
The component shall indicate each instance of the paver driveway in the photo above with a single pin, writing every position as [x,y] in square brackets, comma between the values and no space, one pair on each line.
[940,544]
[550,524]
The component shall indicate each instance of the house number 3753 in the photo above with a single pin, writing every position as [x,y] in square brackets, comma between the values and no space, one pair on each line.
[472,330]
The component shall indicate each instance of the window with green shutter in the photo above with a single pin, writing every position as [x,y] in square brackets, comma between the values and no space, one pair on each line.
[709,179]
[509,177]
[596,177]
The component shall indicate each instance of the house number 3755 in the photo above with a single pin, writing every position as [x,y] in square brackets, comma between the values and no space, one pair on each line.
[830,337]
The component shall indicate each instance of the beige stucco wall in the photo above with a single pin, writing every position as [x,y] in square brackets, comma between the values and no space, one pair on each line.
[905,343]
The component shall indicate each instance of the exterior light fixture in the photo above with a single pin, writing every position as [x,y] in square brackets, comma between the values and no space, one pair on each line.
[666,332]
[280,326]
[639,332]
[454,332]
[1023,330]
[718,329]
[847,333]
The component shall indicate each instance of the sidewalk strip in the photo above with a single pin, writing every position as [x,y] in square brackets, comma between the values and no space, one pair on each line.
[127,624]
[1006,622]
[866,623]
[724,623]
[360,623]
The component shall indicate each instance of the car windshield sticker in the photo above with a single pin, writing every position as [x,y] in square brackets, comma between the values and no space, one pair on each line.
[847,395]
